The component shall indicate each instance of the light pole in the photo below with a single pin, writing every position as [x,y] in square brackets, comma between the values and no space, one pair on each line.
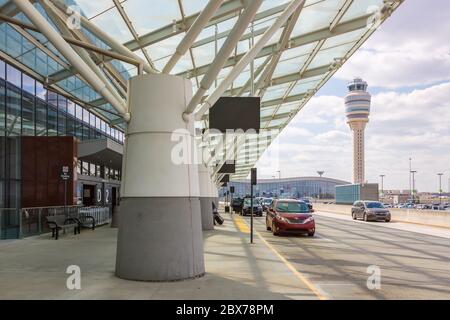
[440,187]
[413,173]
[320,173]
[410,184]
[382,184]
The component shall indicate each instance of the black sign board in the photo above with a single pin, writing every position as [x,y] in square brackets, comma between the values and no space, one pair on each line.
[232,189]
[65,173]
[234,113]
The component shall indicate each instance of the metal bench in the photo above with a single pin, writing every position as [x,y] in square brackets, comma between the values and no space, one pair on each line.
[82,219]
[61,222]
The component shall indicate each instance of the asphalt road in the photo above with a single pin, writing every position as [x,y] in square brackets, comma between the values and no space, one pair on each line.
[412,265]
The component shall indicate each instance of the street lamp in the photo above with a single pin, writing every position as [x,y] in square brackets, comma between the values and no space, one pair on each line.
[440,187]
[413,173]
[410,185]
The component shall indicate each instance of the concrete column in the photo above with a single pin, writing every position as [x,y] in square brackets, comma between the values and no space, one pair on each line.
[206,197]
[160,231]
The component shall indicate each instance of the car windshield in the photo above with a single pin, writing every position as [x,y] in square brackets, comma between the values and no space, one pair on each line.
[267,201]
[306,200]
[375,205]
[292,207]
[248,203]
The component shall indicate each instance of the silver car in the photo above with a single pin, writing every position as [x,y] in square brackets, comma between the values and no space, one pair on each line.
[370,211]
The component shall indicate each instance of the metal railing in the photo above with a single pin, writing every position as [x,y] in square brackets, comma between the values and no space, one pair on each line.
[9,223]
[33,221]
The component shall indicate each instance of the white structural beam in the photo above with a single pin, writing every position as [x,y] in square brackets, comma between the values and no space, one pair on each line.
[59,21]
[224,52]
[66,50]
[133,32]
[192,33]
[248,57]
[345,6]
[294,42]
[228,10]
[108,39]
[264,82]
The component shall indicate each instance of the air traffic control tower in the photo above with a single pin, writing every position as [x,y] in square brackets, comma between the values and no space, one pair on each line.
[357,108]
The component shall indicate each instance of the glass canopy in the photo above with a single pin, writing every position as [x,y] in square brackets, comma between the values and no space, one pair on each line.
[286,75]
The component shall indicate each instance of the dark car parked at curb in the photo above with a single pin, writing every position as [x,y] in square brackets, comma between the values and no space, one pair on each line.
[370,211]
[246,208]
[290,216]
[237,204]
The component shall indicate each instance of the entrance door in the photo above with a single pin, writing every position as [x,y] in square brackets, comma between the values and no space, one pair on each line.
[88,195]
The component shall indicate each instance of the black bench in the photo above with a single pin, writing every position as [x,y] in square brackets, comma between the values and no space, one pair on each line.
[61,222]
[82,218]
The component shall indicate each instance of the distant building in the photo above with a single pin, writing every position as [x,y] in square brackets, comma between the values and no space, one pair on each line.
[316,187]
[348,194]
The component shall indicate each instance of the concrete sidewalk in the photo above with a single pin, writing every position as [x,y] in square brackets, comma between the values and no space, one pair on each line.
[35,268]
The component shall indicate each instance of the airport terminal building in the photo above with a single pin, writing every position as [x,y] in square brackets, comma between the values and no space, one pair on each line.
[290,187]
[41,132]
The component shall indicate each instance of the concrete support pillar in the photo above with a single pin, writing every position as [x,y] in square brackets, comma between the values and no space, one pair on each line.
[160,231]
[206,197]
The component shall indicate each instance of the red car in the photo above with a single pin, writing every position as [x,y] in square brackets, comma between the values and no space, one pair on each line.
[290,216]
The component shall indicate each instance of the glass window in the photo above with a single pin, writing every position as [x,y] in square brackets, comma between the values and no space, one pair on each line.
[61,123]
[28,84]
[41,118]
[92,119]
[13,112]
[52,98]
[41,92]
[79,112]
[13,76]
[2,111]
[28,115]
[79,129]
[85,116]
[62,103]
[70,107]
[85,169]
[70,126]
[2,70]
[52,124]
[92,169]
[85,132]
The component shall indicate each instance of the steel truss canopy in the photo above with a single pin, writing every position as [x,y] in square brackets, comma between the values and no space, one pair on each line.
[282,51]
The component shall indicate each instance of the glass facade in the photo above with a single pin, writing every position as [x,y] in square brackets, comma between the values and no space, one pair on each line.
[287,188]
[28,109]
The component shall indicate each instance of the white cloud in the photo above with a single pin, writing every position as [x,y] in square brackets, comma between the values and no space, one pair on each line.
[410,49]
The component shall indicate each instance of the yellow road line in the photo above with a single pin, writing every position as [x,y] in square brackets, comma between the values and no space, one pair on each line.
[242,224]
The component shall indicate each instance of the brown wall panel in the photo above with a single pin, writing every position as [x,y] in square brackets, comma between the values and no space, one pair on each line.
[42,162]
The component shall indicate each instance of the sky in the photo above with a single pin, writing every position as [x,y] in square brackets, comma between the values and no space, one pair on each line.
[407,66]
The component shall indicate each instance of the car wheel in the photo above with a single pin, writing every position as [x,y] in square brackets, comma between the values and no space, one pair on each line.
[388,220]
[274,230]
[311,234]
[267,225]
[365,217]
[354,215]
